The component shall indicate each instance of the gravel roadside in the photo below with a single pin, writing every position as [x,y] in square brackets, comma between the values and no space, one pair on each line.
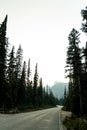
[63,116]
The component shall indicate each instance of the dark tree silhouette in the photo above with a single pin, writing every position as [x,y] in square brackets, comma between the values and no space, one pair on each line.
[40,93]
[18,71]
[35,85]
[17,90]
[19,57]
[3,55]
[29,86]
[11,78]
[22,86]
[84,24]
[75,69]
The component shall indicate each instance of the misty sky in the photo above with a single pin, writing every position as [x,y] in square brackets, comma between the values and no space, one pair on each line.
[42,28]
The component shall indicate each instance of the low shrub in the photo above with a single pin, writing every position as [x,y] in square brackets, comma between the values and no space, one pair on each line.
[83,125]
[74,123]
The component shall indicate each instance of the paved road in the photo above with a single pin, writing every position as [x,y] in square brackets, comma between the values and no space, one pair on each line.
[48,119]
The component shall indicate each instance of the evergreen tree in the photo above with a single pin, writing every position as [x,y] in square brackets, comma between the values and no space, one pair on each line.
[22,87]
[65,97]
[44,96]
[75,69]
[28,73]
[40,93]
[85,57]
[47,95]
[35,85]
[18,71]
[51,99]
[84,78]
[11,77]
[19,58]
[3,55]
[29,85]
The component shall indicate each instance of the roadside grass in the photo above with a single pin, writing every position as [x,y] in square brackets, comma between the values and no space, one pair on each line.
[74,123]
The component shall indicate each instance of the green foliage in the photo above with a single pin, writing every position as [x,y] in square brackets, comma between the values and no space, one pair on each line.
[76,69]
[74,123]
[83,125]
[74,73]
[71,123]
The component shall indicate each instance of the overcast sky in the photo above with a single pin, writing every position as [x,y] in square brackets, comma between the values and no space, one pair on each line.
[42,28]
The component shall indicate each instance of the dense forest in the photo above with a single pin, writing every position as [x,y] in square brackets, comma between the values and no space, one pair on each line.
[17,90]
[76,71]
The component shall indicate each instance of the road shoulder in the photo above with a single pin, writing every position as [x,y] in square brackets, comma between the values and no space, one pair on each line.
[64,114]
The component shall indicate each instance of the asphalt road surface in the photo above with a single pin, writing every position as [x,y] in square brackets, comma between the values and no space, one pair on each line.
[48,119]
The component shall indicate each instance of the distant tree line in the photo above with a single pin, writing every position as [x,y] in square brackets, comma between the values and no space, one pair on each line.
[76,68]
[16,87]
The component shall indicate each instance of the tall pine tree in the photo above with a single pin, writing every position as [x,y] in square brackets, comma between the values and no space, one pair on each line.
[29,85]
[40,93]
[84,81]
[19,58]
[35,85]
[18,70]
[11,78]
[75,69]
[3,54]
[22,87]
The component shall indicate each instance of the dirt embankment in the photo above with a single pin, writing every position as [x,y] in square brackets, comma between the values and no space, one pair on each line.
[65,114]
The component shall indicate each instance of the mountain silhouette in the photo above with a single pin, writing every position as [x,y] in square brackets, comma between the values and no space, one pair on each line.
[58,89]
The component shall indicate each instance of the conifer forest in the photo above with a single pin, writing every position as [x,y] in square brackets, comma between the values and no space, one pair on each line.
[76,71]
[17,90]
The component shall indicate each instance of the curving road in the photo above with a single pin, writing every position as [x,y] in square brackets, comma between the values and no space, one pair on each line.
[48,119]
